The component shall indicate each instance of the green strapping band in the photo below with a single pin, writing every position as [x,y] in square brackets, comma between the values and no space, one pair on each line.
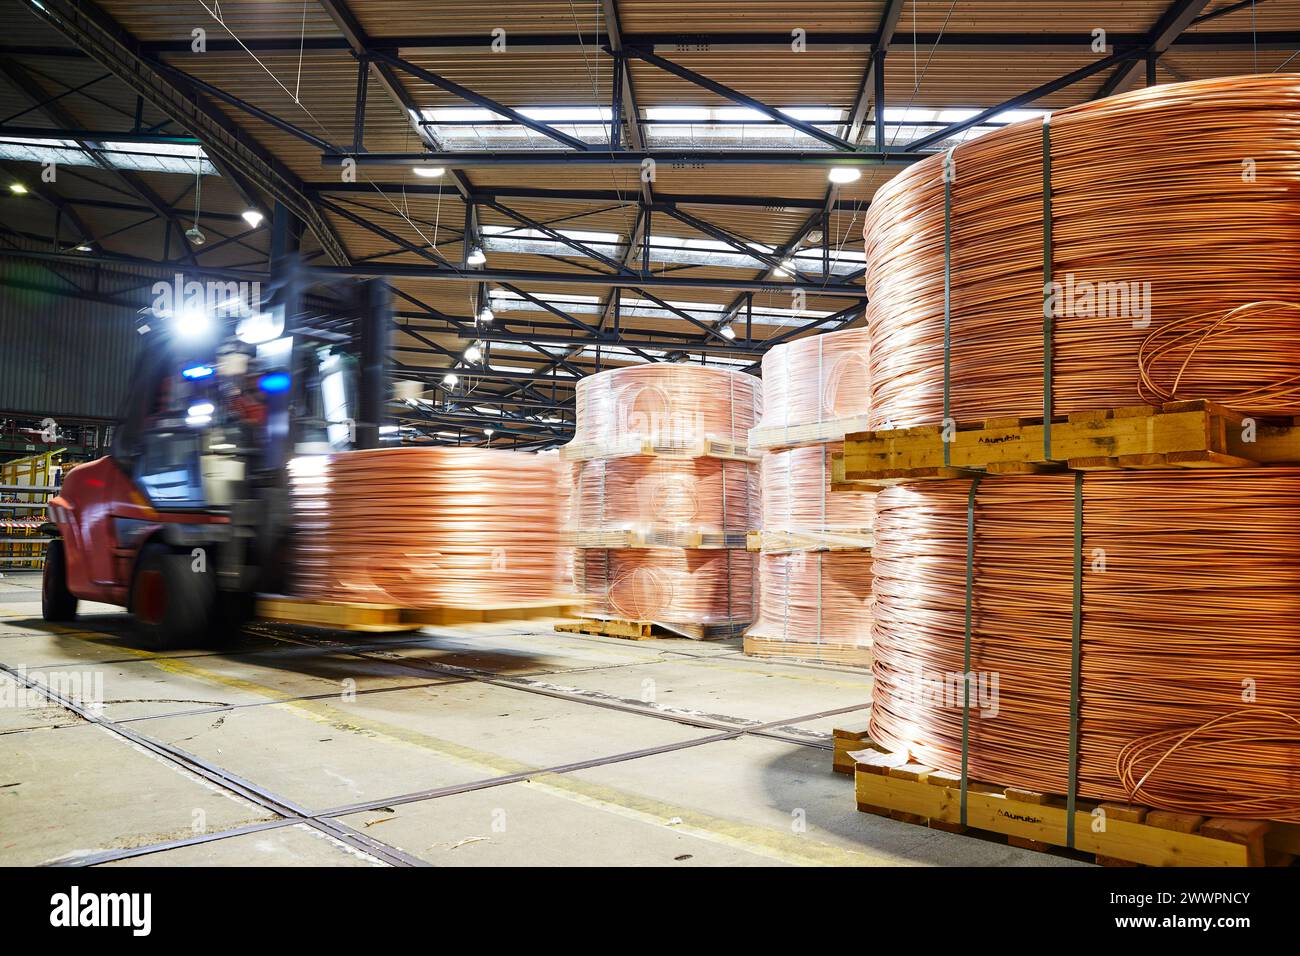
[1075,653]
[965,679]
[1047,286]
[947,303]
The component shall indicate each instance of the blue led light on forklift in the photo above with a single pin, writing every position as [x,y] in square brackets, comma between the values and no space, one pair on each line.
[198,371]
[274,383]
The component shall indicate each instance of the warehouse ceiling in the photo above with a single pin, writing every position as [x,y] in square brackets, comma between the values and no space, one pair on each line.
[552,188]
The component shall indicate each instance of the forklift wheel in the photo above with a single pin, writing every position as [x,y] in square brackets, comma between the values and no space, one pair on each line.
[57,602]
[173,604]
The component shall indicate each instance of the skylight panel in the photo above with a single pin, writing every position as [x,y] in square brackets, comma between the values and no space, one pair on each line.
[141,157]
[737,126]
[478,128]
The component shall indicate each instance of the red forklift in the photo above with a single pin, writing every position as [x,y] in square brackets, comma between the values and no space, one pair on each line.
[187,518]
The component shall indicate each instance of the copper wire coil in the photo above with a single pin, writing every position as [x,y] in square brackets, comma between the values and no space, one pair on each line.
[815,597]
[1191,594]
[428,527]
[672,585]
[816,378]
[797,497]
[1135,198]
[666,402]
[703,494]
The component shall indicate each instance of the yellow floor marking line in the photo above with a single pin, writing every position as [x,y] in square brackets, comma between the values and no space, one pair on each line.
[760,840]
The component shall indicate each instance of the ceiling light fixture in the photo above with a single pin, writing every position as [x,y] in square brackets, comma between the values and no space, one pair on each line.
[844,174]
[476,256]
[430,172]
[252,217]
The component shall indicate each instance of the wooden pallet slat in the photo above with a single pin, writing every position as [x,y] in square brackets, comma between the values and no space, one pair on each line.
[778,437]
[854,655]
[859,539]
[890,784]
[658,538]
[386,618]
[648,630]
[638,446]
[338,615]
[1184,434]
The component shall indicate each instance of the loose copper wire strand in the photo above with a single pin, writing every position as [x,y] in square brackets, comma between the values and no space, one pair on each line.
[426,527]
[1152,768]
[1191,593]
[816,378]
[797,497]
[702,494]
[1136,197]
[815,597]
[666,402]
[672,585]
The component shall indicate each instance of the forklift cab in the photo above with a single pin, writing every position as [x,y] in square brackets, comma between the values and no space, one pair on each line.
[188,517]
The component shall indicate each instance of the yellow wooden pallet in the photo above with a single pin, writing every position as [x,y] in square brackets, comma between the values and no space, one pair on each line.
[854,655]
[777,437]
[658,538]
[386,618]
[890,785]
[1190,434]
[649,630]
[636,446]
[453,616]
[783,541]
[338,615]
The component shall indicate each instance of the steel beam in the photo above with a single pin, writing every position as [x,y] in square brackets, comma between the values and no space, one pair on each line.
[830,41]
[1176,18]
[477,99]
[1023,99]
[101,38]
[626,157]
[873,79]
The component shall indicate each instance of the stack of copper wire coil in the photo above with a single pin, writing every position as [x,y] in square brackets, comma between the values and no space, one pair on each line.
[666,499]
[1170,267]
[428,527]
[1189,650]
[815,569]
[1115,634]
[661,532]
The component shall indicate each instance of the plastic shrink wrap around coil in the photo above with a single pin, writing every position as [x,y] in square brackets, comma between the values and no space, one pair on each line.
[816,378]
[797,496]
[666,403]
[815,598]
[663,494]
[670,585]
[428,527]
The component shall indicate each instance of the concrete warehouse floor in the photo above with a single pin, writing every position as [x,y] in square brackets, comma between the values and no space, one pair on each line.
[490,745]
